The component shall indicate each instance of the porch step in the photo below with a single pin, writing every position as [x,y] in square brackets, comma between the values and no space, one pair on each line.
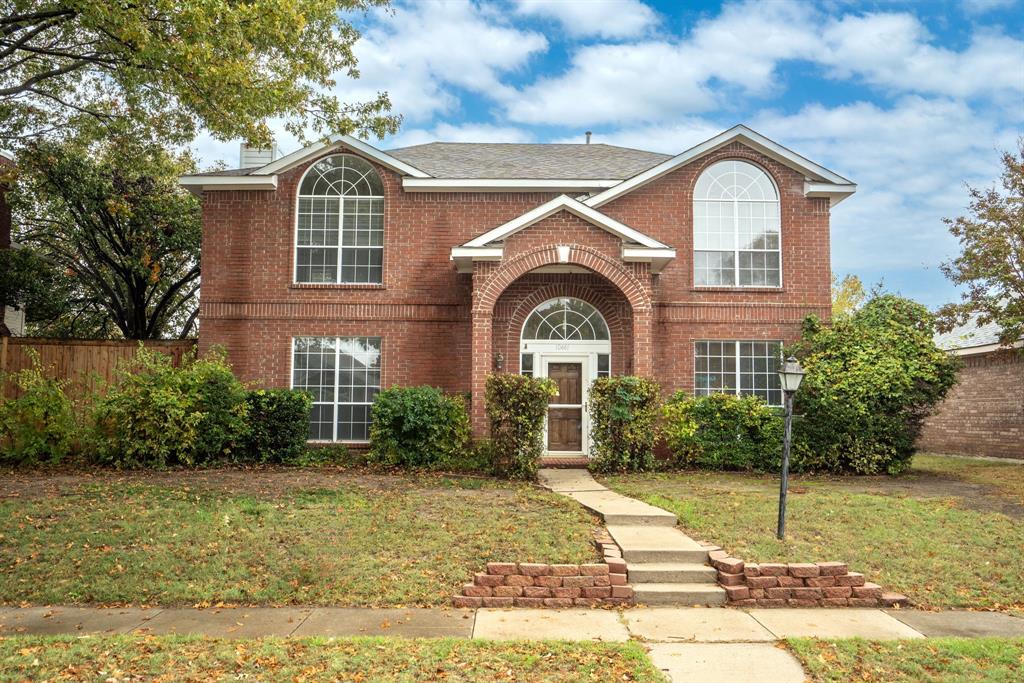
[567,462]
[684,594]
[672,572]
[657,544]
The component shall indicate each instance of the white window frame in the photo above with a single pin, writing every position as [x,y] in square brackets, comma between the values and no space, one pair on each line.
[736,232]
[738,389]
[337,367]
[341,229]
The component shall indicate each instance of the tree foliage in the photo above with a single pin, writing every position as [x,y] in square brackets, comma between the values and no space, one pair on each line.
[991,263]
[28,282]
[227,66]
[847,294]
[872,378]
[111,216]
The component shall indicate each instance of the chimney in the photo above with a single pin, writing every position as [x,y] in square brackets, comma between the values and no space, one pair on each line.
[254,157]
[589,133]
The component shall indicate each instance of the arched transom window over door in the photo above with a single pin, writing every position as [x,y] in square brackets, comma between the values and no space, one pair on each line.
[736,227]
[565,319]
[340,223]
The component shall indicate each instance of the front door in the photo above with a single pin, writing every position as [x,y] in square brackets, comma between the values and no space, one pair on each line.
[565,411]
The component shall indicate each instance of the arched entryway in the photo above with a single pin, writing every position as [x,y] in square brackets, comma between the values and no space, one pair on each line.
[567,340]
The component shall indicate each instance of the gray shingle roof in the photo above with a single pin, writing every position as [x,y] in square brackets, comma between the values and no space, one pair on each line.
[968,335]
[528,161]
[228,172]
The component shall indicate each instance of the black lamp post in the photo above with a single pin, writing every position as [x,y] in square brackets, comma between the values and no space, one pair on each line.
[790,376]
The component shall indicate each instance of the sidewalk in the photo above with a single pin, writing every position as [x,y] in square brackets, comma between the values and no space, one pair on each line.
[686,643]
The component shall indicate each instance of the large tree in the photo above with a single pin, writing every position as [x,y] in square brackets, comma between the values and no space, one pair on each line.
[991,264]
[111,216]
[182,65]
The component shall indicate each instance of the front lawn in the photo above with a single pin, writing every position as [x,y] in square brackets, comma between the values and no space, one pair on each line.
[948,534]
[945,660]
[183,658]
[271,539]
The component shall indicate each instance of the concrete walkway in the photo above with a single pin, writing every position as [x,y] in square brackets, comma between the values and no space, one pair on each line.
[665,566]
[687,643]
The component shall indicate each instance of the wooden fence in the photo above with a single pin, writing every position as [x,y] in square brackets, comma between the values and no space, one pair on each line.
[85,362]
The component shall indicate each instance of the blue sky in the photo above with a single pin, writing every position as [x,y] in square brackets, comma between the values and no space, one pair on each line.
[910,100]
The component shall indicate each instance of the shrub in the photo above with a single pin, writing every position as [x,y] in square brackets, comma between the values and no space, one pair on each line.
[872,378]
[158,415]
[418,427]
[516,407]
[278,424]
[722,432]
[39,425]
[321,455]
[623,418]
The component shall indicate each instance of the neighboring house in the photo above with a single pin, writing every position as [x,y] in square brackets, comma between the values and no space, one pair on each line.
[342,268]
[983,414]
[13,319]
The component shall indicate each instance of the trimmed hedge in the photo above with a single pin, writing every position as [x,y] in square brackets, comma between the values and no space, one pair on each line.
[722,432]
[624,423]
[278,425]
[516,407]
[418,427]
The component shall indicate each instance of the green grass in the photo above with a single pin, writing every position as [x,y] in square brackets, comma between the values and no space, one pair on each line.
[412,542]
[936,550]
[182,658]
[949,660]
[1007,477]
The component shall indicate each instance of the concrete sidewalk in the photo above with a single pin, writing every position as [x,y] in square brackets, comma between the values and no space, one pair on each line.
[686,643]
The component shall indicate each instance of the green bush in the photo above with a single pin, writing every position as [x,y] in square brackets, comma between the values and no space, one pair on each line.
[722,432]
[324,454]
[516,407]
[278,424]
[418,427]
[624,423]
[39,425]
[158,415]
[872,378]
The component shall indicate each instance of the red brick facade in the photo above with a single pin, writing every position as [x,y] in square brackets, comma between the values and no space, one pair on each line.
[444,328]
[984,412]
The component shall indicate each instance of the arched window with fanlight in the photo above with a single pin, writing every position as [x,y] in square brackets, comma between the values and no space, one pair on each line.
[340,223]
[736,227]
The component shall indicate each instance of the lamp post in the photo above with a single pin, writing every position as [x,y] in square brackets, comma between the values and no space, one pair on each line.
[790,377]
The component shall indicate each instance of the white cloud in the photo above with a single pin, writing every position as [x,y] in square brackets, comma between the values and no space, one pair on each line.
[469,132]
[613,19]
[735,55]
[655,80]
[423,50]
[668,139]
[977,7]
[894,51]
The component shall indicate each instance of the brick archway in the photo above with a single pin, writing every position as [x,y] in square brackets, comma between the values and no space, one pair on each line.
[490,280]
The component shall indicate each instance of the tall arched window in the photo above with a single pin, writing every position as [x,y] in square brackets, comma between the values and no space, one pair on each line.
[340,226]
[736,226]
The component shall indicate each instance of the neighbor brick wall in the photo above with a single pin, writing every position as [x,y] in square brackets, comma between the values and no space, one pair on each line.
[424,311]
[984,412]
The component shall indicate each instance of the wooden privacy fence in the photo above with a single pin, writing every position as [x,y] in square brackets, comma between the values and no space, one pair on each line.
[84,362]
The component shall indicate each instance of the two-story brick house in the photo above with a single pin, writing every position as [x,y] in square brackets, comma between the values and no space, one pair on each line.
[342,268]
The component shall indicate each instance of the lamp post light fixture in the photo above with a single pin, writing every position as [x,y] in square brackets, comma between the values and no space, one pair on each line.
[790,376]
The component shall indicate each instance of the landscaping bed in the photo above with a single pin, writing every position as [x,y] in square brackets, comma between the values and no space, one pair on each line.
[978,660]
[947,534]
[273,537]
[183,658]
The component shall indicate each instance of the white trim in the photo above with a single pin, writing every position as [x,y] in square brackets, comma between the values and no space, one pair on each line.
[354,144]
[836,193]
[588,370]
[658,258]
[577,208]
[464,256]
[200,183]
[740,132]
[502,184]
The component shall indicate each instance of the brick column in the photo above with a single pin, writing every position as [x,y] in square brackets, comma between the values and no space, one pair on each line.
[643,333]
[481,349]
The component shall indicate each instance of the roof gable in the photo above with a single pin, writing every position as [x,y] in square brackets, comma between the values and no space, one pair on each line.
[335,142]
[823,182]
